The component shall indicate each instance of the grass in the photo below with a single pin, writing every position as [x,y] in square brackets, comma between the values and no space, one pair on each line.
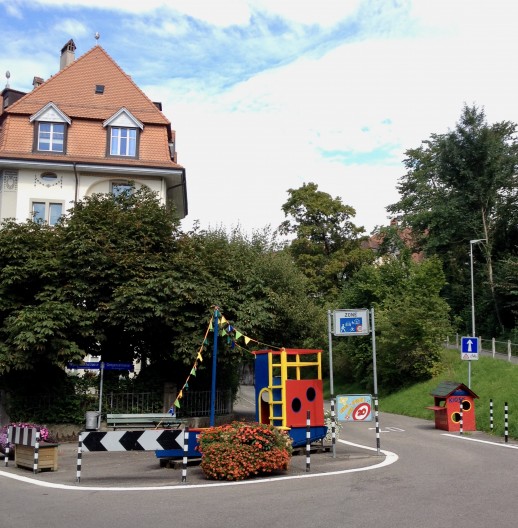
[494,379]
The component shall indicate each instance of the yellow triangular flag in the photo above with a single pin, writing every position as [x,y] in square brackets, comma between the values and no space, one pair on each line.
[223,320]
[247,340]
[180,394]
[199,356]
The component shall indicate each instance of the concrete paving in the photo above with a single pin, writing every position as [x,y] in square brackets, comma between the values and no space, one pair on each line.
[143,469]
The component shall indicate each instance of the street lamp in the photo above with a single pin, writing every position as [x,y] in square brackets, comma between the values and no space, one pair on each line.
[471,242]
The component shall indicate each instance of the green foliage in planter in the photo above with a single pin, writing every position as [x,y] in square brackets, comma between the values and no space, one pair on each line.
[240,450]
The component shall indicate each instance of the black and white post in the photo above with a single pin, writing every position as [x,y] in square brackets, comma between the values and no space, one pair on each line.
[491,415]
[461,419]
[333,427]
[308,441]
[185,454]
[506,422]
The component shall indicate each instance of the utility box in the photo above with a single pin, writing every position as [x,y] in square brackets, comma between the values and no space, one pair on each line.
[449,397]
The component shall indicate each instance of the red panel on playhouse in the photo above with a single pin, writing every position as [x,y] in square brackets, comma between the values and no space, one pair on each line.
[449,397]
[303,396]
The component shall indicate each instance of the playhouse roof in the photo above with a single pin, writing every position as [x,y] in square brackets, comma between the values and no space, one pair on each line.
[445,388]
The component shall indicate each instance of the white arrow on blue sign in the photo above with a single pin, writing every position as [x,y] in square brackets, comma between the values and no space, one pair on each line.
[469,347]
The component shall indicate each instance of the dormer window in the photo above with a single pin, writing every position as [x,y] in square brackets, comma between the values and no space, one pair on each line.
[50,129]
[123,141]
[51,137]
[123,134]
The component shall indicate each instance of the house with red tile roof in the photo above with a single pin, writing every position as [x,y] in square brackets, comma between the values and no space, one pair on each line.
[88,129]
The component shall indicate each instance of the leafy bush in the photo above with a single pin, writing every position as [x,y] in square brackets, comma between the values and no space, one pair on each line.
[240,450]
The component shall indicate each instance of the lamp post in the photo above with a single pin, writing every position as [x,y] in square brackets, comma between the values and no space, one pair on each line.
[473,333]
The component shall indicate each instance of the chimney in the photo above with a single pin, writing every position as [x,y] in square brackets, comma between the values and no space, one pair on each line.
[67,54]
[37,81]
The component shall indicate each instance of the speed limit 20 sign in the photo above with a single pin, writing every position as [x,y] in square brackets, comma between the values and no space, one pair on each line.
[354,408]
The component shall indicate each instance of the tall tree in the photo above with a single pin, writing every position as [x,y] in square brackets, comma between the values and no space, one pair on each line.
[462,186]
[326,246]
[411,320]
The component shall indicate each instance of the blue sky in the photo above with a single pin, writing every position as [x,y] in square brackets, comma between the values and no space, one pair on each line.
[266,95]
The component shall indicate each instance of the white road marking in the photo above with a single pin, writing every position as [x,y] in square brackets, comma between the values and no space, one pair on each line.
[389,459]
[510,446]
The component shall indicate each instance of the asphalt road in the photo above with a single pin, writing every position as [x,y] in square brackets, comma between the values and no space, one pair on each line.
[423,478]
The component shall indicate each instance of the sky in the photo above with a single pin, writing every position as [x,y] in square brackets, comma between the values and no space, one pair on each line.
[266,95]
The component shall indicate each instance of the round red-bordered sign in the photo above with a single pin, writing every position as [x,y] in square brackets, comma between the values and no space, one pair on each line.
[361,412]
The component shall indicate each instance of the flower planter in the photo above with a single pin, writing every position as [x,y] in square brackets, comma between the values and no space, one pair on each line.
[47,456]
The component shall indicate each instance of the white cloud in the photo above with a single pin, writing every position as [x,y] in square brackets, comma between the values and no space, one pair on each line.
[402,72]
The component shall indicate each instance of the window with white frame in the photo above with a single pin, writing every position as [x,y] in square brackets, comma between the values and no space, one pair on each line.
[51,137]
[50,129]
[123,141]
[47,211]
[123,134]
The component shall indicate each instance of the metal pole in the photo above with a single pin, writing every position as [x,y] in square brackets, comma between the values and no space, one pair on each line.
[100,395]
[375,375]
[330,338]
[214,364]
[331,380]
[473,334]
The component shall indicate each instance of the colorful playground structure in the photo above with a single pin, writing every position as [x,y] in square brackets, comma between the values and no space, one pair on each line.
[286,389]
[288,385]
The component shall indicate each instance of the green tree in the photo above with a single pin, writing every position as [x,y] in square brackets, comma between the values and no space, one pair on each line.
[462,186]
[118,279]
[327,244]
[411,321]
[38,323]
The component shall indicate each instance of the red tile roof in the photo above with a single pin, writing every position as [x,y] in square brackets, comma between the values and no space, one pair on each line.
[73,91]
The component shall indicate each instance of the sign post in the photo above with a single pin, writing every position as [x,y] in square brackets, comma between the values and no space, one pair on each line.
[353,322]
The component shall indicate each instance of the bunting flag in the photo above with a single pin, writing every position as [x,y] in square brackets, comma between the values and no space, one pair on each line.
[231,333]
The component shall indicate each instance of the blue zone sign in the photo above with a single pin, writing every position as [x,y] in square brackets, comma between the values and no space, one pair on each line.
[351,322]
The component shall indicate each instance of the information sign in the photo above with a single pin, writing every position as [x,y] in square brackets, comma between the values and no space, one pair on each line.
[469,347]
[354,408]
[351,322]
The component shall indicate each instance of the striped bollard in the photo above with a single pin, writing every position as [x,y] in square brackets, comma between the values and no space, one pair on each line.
[376,416]
[308,441]
[461,420]
[79,457]
[333,427]
[185,451]
[8,446]
[491,415]
[506,423]
[36,452]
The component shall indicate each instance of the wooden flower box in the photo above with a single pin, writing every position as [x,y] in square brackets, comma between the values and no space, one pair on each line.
[47,456]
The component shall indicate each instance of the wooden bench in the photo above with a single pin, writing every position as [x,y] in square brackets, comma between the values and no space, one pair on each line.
[140,421]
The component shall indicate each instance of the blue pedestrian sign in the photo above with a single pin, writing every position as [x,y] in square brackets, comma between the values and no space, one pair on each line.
[351,322]
[469,347]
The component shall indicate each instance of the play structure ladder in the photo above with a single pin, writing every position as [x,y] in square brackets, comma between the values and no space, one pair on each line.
[277,376]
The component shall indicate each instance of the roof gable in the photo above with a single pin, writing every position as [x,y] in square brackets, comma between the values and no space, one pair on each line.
[446,388]
[123,118]
[50,112]
[73,90]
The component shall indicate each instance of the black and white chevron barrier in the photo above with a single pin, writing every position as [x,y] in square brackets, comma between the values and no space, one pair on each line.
[148,440]
[27,436]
